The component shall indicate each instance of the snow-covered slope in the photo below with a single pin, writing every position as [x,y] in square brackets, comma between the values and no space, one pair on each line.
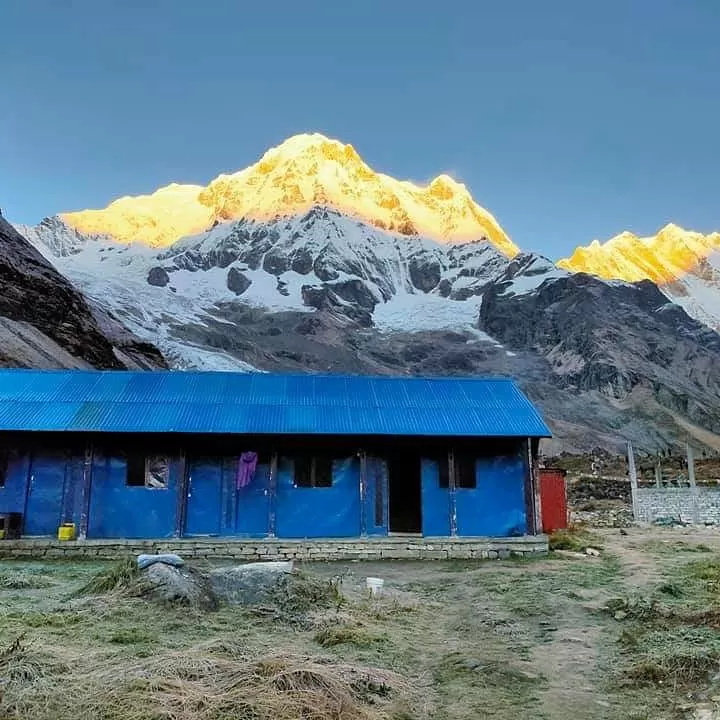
[321,260]
[304,171]
[685,264]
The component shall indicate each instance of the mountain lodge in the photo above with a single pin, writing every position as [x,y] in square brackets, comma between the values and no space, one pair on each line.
[211,454]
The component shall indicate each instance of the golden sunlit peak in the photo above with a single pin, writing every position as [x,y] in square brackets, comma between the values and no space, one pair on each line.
[305,170]
[662,258]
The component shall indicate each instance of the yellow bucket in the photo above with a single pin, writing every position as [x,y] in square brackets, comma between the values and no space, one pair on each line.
[66,531]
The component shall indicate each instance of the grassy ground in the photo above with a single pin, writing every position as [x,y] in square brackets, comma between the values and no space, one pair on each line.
[633,633]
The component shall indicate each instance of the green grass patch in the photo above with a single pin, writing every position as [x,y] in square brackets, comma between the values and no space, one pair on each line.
[354,635]
[23,581]
[681,656]
[131,636]
[674,547]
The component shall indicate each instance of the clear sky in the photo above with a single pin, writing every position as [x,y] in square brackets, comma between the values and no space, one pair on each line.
[568,119]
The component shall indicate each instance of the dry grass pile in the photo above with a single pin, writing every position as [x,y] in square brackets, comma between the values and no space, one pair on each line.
[118,576]
[210,682]
[575,538]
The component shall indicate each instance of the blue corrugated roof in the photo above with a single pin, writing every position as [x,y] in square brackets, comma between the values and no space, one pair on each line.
[215,402]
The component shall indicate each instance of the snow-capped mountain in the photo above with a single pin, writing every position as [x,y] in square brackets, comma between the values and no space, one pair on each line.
[304,171]
[309,260]
[321,260]
[685,264]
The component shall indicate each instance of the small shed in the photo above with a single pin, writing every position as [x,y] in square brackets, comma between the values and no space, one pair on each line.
[170,454]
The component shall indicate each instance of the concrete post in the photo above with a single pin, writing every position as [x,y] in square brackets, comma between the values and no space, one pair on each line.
[693,486]
[632,472]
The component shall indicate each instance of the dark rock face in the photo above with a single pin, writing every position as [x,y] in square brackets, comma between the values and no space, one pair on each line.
[613,339]
[237,282]
[356,292]
[158,277]
[33,292]
[302,261]
[444,288]
[424,276]
[275,262]
[324,298]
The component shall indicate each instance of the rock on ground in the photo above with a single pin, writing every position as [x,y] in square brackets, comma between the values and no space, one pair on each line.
[251,584]
[179,585]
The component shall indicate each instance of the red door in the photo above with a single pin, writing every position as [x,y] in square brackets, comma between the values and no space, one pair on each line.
[553,499]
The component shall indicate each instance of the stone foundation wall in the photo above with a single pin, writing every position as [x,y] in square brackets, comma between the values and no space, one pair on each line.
[392,548]
[699,506]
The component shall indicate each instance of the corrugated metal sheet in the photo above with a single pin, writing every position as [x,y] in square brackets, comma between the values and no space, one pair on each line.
[208,402]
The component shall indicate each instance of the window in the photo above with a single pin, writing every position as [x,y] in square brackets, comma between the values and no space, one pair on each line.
[3,466]
[313,471]
[443,464]
[150,472]
[465,471]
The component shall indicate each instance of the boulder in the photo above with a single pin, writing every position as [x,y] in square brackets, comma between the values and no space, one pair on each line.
[251,584]
[177,585]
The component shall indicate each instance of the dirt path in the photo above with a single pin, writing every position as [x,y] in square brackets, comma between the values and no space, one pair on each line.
[640,567]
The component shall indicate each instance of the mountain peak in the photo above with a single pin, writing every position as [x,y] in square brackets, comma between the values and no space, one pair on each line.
[305,170]
[662,258]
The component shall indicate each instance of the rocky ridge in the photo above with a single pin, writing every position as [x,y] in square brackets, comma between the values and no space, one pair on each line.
[46,322]
[684,264]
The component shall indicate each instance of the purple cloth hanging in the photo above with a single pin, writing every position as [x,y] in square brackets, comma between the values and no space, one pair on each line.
[246,469]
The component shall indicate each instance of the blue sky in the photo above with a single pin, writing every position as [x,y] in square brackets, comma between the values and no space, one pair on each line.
[569,120]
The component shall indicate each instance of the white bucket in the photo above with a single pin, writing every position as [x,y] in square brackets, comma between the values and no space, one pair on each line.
[375,585]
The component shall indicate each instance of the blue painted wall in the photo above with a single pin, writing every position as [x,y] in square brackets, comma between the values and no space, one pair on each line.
[45,486]
[435,501]
[496,507]
[319,512]
[215,506]
[376,497]
[117,510]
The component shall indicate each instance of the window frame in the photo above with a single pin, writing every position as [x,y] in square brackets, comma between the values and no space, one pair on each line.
[137,471]
[310,473]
